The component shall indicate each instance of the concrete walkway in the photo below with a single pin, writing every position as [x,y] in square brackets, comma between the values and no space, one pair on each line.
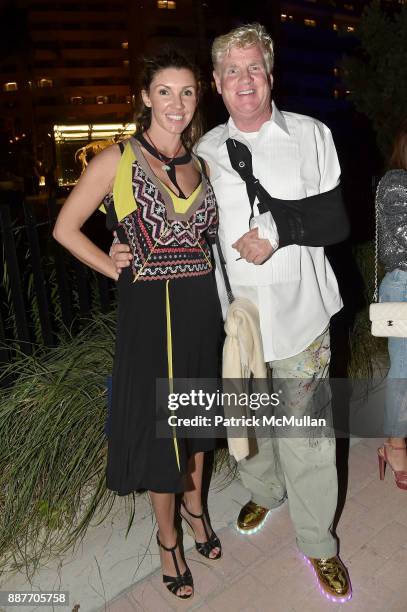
[112,572]
[264,572]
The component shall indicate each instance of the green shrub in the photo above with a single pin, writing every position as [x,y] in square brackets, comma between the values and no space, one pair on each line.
[52,445]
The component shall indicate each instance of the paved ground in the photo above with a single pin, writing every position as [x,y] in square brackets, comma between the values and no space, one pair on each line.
[265,572]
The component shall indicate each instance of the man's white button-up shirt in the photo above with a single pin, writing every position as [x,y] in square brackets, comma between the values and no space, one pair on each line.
[295,290]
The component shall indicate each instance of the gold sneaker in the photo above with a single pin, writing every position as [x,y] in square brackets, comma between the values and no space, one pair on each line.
[333,579]
[251,518]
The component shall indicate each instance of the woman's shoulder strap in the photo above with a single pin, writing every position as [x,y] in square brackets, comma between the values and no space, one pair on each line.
[203,166]
[123,194]
[123,197]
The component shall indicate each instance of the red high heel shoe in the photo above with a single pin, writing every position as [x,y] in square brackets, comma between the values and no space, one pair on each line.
[400,476]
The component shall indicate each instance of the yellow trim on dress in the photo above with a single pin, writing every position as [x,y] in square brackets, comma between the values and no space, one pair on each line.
[123,195]
[169,357]
[181,205]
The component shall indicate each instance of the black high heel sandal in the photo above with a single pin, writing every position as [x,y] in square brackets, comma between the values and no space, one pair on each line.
[174,583]
[204,548]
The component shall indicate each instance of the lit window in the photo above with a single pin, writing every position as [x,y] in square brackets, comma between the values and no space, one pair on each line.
[11,86]
[102,100]
[166,4]
[336,72]
[336,94]
[348,92]
[350,28]
[283,17]
[125,63]
[45,83]
[335,27]
[76,100]
[125,45]
[310,22]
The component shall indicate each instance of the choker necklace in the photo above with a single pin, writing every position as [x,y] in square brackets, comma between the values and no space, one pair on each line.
[164,158]
[168,163]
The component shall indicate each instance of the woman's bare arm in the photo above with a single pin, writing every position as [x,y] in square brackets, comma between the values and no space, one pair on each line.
[85,198]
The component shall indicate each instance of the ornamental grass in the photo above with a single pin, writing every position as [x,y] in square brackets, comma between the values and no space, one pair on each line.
[53,446]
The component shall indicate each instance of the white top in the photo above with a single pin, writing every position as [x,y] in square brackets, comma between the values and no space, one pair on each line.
[295,290]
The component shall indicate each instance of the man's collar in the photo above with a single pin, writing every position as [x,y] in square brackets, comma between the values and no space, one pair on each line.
[229,129]
[279,120]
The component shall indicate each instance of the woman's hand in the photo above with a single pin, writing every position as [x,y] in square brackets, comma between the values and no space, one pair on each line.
[85,198]
[121,256]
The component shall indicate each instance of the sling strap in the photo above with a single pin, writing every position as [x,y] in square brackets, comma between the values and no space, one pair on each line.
[318,220]
[222,261]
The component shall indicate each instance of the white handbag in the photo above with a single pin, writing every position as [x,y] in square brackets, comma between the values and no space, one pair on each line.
[389,319]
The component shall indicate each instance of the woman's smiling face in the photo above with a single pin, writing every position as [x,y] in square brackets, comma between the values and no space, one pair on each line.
[173,98]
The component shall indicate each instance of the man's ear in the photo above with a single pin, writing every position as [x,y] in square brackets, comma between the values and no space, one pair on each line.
[217,82]
[145,97]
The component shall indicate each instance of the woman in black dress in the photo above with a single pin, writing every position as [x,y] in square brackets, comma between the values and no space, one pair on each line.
[159,202]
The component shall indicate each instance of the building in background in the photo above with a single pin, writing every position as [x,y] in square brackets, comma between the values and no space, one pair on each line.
[68,64]
[313,39]
[76,62]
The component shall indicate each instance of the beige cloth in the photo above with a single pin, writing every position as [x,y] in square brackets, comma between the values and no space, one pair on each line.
[242,357]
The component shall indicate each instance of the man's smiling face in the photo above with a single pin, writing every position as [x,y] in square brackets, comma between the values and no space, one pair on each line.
[242,79]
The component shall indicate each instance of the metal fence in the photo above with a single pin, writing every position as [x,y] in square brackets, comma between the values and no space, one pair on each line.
[44,290]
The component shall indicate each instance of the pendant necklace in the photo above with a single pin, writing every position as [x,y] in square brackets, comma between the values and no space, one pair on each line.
[168,163]
[164,158]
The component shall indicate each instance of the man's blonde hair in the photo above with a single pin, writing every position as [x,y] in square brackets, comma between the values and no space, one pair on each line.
[244,36]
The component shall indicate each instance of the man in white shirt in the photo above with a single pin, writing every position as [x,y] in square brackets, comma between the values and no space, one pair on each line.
[294,288]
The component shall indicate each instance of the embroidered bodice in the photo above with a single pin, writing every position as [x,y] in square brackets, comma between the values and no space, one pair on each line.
[168,236]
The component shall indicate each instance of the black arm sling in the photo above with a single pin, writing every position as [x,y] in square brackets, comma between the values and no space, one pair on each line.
[318,220]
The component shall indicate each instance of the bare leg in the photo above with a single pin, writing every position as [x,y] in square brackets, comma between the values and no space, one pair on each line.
[193,499]
[397,458]
[164,509]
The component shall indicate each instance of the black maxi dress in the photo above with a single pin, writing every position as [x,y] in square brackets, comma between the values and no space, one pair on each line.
[169,320]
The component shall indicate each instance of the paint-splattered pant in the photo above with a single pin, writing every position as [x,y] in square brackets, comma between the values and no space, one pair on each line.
[300,468]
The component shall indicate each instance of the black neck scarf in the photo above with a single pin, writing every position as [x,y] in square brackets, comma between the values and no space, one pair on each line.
[168,164]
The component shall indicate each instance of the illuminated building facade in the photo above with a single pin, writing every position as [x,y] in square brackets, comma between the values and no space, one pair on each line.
[75,62]
[314,37]
[72,65]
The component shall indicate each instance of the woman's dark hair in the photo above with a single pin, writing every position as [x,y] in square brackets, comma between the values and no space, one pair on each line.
[398,157]
[170,58]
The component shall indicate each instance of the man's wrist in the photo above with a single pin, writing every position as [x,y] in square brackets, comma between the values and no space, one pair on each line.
[266,229]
